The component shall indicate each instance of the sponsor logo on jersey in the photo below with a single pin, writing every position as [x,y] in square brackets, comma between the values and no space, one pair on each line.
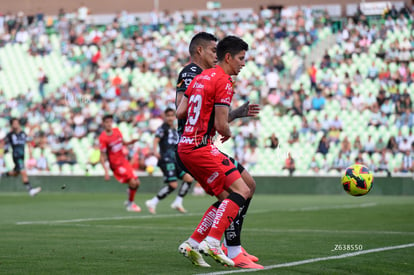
[214,150]
[213,177]
[226,100]
[206,77]
[187,140]
[193,68]
[121,170]
[198,85]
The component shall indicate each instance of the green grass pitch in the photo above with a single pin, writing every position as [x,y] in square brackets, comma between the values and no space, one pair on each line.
[79,233]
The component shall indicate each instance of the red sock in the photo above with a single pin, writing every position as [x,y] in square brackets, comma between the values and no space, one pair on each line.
[205,224]
[226,213]
[131,194]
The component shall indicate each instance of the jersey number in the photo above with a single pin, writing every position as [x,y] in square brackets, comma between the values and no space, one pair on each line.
[194,109]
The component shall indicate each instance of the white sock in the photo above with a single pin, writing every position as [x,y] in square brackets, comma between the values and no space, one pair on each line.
[194,244]
[155,200]
[233,251]
[214,242]
[178,200]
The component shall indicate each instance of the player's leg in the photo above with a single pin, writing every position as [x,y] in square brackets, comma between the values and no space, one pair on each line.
[226,213]
[33,191]
[170,178]
[133,185]
[19,169]
[125,174]
[232,241]
[184,188]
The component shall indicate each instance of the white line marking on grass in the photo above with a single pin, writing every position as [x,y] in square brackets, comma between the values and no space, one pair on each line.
[260,230]
[314,260]
[305,230]
[311,208]
[328,207]
[119,218]
[107,219]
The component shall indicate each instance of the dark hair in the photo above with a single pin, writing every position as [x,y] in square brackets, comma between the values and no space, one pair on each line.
[230,44]
[12,119]
[168,110]
[108,116]
[200,39]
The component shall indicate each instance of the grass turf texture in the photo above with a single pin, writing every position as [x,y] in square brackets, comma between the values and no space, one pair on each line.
[92,233]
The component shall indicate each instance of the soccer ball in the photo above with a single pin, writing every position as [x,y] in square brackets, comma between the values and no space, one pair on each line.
[357,180]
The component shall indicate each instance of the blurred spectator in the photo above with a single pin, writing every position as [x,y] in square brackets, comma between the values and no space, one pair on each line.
[323,146]
[31,162]
[387,107]
[334,134]
[251,156]
[338,163]
[305,126]
[313,165]
[345,146]
[392,145]
[325,124]
[359,159]
[372,71]
[336,123]
[380,145]
[312,72]
[383,163]
[407,118]
[357,145]
[294,136]
[315,125]
[318,102]
[94,155]
[42,163]
[289,164]
[404,145]
[407,164]
[274,141]
[42,80]
[369,146]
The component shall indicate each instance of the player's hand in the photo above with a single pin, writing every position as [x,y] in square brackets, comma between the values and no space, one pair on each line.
[224,138]
[107,177]
[246,110]
[253,109]
[157,155]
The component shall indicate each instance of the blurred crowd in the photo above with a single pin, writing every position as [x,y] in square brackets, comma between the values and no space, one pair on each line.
[128,43]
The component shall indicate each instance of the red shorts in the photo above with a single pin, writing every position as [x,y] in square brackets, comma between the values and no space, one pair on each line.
[123,172]
[211,168]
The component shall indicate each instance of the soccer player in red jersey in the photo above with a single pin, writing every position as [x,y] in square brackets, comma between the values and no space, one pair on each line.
[206,106]
[111,144]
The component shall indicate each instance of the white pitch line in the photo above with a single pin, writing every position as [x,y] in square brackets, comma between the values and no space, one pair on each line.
[314,260]
[311,208]
[107,219]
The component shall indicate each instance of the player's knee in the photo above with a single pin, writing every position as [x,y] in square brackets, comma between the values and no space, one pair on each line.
[250,182]
[173,185]
[134,183]
[188,178]
[240,187]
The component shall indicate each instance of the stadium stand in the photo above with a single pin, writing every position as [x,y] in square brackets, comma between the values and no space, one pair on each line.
[61,76]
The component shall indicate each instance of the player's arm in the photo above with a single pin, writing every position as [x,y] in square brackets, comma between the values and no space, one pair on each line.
[182,108]
[129,142]
[102,158]
[221,121]
[180,96]
[246,110]
[7,144]
[155,147]
[103,162]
